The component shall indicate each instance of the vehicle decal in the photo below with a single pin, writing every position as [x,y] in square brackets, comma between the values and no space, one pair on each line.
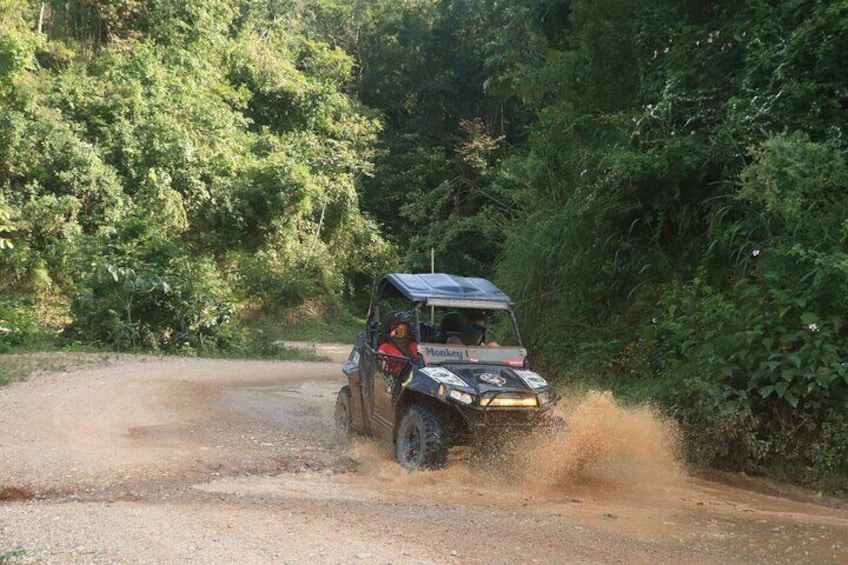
[442,375]
[441,353]
[491,379]
[444,353]
[531,378]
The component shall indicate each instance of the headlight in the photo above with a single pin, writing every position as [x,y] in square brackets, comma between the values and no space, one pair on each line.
[460,396]
[545,397]
[510,400]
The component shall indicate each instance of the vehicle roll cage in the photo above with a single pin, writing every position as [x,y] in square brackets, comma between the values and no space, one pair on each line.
[437,290]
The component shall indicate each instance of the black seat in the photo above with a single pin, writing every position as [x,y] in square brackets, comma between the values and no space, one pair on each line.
[428,333]
[453,325]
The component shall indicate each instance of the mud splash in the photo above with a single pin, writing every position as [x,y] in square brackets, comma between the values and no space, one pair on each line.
[602,444]
[377,462]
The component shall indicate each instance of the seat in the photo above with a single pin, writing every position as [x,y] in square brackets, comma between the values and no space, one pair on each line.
[452,326]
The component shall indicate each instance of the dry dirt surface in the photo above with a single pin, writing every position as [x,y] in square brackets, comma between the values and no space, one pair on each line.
[177,460]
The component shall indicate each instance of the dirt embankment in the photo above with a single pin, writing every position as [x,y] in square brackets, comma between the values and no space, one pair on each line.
[149,460]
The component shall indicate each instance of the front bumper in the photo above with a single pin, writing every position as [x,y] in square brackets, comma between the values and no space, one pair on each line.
[481,414]
[504,418]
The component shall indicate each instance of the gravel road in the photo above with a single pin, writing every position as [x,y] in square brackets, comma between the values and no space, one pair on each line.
[147,460]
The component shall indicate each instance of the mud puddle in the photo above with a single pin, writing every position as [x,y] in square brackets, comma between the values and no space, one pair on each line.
[613,468]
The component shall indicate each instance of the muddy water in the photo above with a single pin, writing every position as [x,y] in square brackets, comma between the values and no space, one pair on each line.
[604,449]
[602,442]
[612,468]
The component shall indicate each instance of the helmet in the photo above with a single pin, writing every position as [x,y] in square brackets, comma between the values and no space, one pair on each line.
[400,331]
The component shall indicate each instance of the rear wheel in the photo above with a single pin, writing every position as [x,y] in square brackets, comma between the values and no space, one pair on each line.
[421,441]
[342,414]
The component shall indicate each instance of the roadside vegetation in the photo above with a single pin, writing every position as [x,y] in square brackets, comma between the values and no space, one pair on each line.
[660,185]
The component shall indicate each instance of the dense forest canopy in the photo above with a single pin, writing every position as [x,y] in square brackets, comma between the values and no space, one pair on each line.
[164,160]
[660,184]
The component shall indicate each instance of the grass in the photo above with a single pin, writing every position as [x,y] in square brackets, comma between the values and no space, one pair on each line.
[323,332]
[9,556]
[256,338]
[260,347]
[18,366]
[25,354]
[310,326]
[12,370]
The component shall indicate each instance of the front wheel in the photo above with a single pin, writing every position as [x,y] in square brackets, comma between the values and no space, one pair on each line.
[342,416]
[421,442]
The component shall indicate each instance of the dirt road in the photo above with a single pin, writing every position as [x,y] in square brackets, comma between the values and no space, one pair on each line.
[173,460]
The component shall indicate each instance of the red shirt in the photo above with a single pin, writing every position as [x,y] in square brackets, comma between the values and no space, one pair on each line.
[389,348]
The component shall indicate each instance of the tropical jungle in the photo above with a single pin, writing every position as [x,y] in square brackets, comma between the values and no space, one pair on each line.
[661,186]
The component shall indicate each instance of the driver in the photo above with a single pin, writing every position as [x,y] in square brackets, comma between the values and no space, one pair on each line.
[475,333]
[400,344]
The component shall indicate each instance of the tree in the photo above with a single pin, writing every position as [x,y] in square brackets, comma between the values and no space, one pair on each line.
[178,125]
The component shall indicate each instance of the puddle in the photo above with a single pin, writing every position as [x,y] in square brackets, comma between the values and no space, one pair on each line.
[614,468]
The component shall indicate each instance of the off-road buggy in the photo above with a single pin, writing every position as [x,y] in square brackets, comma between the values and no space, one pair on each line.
[457,386]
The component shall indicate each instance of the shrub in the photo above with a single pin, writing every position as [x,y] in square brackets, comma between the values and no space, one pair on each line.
[20,325]
[146,291]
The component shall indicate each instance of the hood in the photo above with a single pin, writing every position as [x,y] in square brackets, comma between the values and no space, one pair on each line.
[489,378]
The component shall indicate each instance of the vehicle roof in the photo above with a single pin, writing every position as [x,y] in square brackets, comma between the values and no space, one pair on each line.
[441,289]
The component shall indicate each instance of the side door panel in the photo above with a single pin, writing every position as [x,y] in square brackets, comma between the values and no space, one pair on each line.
[368,368]
[389,372]
[383,417]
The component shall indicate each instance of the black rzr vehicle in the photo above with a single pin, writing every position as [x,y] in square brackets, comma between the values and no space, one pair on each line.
[440,363]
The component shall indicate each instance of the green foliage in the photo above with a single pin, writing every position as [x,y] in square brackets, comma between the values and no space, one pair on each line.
[8,556]
[169,22]
[796,187]
[18,44]
[262,276]
[312,322]
[421,64]
[773,342]
[791,241]
[664,232]
[660,185]
[17,51]
[20,326]
[146,292]
[162,162]
[6,225]
[12,371]
[468,209]
[829,452]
